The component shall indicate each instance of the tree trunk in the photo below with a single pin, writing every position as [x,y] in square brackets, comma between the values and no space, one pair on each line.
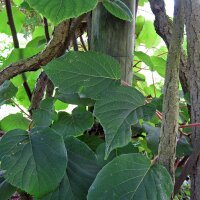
[114,37]
[193,40]
[169,129]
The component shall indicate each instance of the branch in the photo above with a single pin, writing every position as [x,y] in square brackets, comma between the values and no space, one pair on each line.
[16,43]
[169,128]
[54,48]
[163,26]
[46,29]
[11,23]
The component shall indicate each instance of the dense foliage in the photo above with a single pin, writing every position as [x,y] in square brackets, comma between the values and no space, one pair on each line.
[106,147]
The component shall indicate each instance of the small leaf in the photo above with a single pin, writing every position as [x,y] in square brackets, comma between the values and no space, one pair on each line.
[43,116]
[57,11]
[14,121]
[74,124]
[19,19]
[144,58]
[119,9]
[131,176]
[7,91]
[117,110]
[86,73]
[25,157]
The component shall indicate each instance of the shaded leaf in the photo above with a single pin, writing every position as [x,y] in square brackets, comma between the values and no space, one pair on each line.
[73,125]
[119,9]
[117,111]
[57,11]
[82,167]
[131,176]
[43,115]
[7,91]
[24,156]
[89,73]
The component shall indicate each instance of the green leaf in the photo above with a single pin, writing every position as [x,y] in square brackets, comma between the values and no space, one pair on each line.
[89,73]
[119,9]
[144,58]
[74,98]
[74,124]
[57,11]
[6,190]
[159,65]
[100,152]
[183,147]
[7,91]
[93,141]
[59,105]
[151,39]
[19,19]
[14,121]
[19,54]
[18,2]
[140,21]
[117,111]
[43,116]
[63,192]
[38,42]
[82,167]
[131,176]
[81,172]
[32,160]
[142,2]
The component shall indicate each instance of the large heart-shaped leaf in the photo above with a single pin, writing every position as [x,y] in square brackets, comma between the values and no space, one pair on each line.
[131,176]
[119,9]
[57,11]
[89,73]
[117,111]
[82,167]
[74,124]
[24,157]
[81,172]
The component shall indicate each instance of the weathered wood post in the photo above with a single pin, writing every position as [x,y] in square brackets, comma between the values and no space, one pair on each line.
[114,37]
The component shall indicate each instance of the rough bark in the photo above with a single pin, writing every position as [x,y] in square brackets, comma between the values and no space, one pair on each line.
[163,26]
[55,48]
[114,37]
[169,128]
[193,40]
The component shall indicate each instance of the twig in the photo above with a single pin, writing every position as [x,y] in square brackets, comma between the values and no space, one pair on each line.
[20,108]
[46,30]
[16,42]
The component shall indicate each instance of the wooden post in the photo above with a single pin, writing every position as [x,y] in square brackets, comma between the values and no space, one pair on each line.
[114,37]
